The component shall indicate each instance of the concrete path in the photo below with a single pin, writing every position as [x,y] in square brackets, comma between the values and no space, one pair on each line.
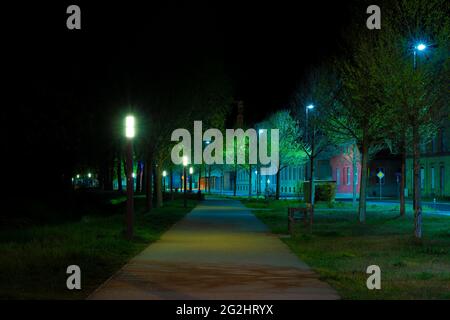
[218,251]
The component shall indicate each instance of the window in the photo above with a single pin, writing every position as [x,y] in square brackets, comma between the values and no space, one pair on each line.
[348,175]
[294,189]
[290,173]
[432,178]
[422,178]
[289,189]
[355,176]
[338,176]
[441,179]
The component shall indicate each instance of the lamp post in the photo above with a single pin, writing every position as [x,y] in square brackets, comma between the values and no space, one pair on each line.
[308,109]
[164,174]
[130,132]
[418,47]
[191,171]
[417,207]
[185,163]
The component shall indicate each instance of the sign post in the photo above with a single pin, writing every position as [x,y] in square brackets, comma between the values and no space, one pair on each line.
[380,176]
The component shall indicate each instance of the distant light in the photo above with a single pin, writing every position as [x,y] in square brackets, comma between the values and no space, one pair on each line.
[260,131]
[89,175]
[78,176]
[191,170]
[185,161]
[268,181]
[72,179]
[421,47]
[133,175]
[310,107]
[208,142]
[256,172]
[164,173]
[130,129]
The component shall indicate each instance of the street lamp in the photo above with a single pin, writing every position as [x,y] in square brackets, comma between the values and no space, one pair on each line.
[130,132]
[164,174]
[418,48]
[185,163]
[89,175]
[191,171]
[310,108]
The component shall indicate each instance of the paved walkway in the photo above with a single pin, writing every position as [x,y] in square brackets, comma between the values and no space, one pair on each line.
[218,251]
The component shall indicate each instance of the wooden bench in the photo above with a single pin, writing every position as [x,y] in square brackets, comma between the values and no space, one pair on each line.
[302,214]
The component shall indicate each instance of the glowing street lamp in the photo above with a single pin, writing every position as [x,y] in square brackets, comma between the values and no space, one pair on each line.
[421,46]
[89,175]
[185,163]
[78,176]
[130,132]
[191,171]
[418,48]
[164,174]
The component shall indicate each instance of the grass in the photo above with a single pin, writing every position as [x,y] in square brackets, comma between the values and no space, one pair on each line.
[34,259]
[340,249]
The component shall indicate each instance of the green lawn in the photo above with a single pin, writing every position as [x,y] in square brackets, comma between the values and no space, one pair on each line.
[34,259]
[340,249]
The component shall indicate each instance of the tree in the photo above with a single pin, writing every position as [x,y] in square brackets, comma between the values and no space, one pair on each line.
[414,84]
[355,111]
[309,103]
[290,151]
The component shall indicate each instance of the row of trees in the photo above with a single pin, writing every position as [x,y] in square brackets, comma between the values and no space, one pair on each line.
[384,94]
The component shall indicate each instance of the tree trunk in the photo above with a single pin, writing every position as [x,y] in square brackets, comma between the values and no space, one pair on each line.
[149,184]
[159,195]
[277,190]
[235,181]
[363,186]
[403,179]
[199,179]
[355,178]
[416,198]
[250,181]
[138,177]
[312,187]
[206,179]
[209,179]
[119,172]
[171,184]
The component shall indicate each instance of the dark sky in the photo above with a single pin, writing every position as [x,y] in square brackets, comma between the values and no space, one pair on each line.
[267,47]
[67,87]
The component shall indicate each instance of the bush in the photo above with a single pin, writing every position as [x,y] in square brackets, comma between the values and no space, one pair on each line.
[324,191]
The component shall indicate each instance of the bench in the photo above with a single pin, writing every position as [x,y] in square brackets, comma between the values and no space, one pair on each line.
[297,214]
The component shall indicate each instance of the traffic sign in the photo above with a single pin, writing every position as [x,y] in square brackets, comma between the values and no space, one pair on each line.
[380,175]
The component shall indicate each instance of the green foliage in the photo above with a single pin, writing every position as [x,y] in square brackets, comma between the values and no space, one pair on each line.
[324,190]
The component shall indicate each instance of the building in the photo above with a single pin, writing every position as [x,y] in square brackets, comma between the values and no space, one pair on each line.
[434,166]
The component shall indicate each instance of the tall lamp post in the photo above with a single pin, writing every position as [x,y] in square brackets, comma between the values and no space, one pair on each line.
[308,109]
[130,132]
[185,163]
[417,207]
[417,48]
[164,174]
[191,171]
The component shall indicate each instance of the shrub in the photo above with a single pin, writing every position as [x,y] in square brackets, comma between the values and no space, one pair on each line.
[324,191]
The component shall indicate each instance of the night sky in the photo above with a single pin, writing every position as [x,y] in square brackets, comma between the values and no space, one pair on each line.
[267,47]
[59,79]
